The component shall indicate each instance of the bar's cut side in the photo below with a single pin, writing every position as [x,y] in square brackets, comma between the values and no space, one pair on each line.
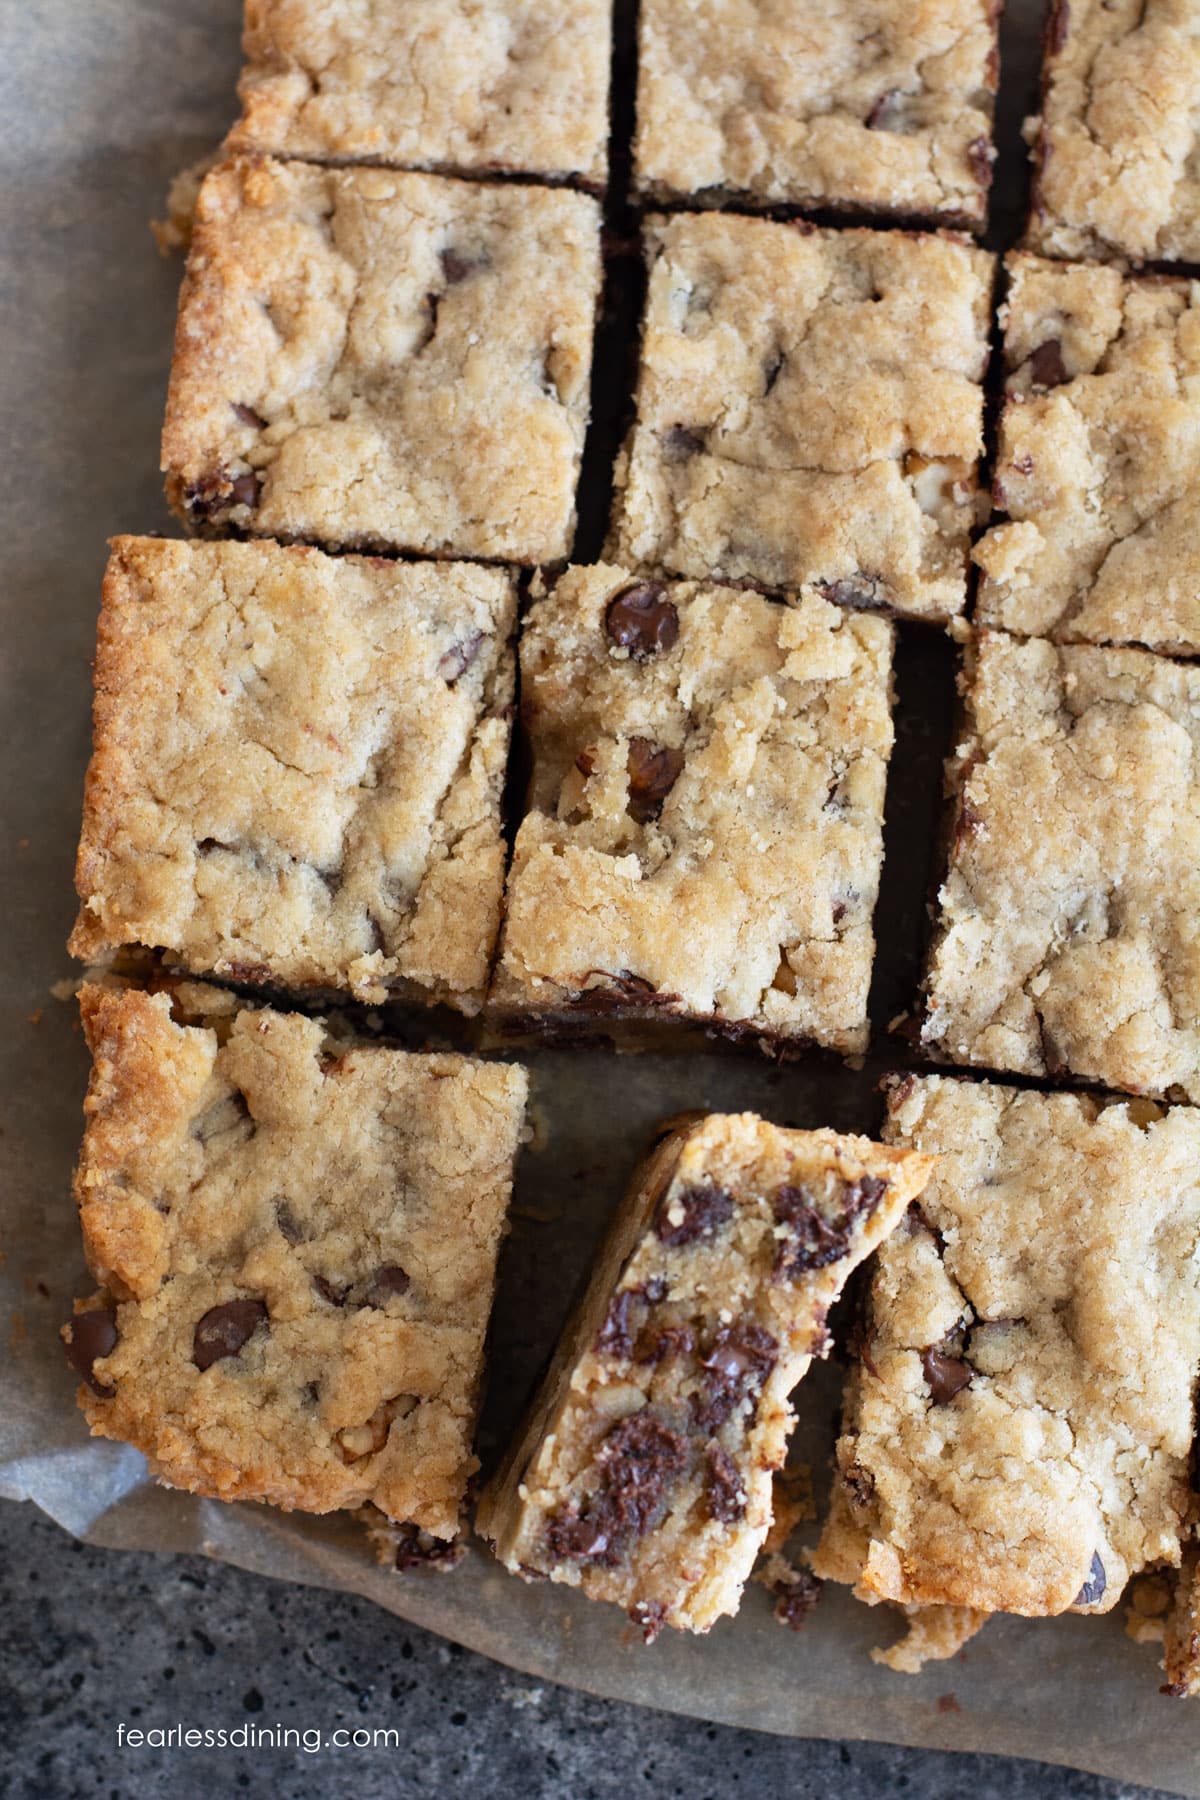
[1066,942]
[1098,467]
[882,108]
[809,409]
[502,86]
[295,1238]
[297,768]
[703,834]
[383,361]
[643,1475]
[1019,1425]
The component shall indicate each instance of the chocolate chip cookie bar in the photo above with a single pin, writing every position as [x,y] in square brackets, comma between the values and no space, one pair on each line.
[703,833]
[1067,942]
[518,85]
[295,1239]
[1115,147]
[884,108]
[808,410]
[297,768]
[1019,1424]
[643,1475]
[1099,460]
[383,361]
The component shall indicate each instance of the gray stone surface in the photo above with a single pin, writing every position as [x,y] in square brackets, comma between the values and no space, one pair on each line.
[90,1638]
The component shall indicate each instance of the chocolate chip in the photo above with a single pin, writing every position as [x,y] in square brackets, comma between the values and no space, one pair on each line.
[289,1226]
[620,990]
[680,444]
[244,490]
[225,1330]
[858,592]
[93,1335]
[861,1483]
[387,1283]
[669,1340]
[1093,1588]
[615,1337]
[691,1214]
[642,620]
[649,1616]
[207,496]
[653,771]
[417,1549]
[980,157]
[458,659]
[248,416]
[638,1461]
[585,762]
[813,1240]
[336,1296]
[946,1375]
[735,1372]
[1046,366]
[726,1489]
[796,1597]
[456,267]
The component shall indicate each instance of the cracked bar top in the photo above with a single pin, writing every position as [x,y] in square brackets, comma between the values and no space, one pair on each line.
[298,767]
[1018,1429]
[383,361]
[497,86]
[643,1475]
[1116,146]
[808,410]
[1099,460]
[704,828]
[296,1241]
[1067,941]
[879,106]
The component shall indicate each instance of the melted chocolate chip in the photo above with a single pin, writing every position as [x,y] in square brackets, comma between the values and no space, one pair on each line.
[796,1597]
[456,268]
[642,620]
[813,1240]
[859,593]
[225,1330]
[93,1335]
[1046,366]
[670,1340]
[620,990]
[615,1337]
[328,1290]
[638,1461]
[248,416]
[244,490]
[458,659]
[290,1228]
[416,1549]
[946,1375]
[1093,1588]
[387,1283]
[691,1214]
[735,1371]
[726,1490]
[653,771]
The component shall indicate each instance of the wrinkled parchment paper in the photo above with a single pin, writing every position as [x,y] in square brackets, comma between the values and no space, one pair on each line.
[102,103]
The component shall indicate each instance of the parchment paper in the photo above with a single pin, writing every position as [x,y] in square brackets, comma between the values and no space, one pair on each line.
[102,101]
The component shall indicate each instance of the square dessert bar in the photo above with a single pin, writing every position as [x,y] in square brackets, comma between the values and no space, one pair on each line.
[1099,459]
[1068,938]
[501,85]
[703,834]
[881,108]
[297,769]
[383,361]
[1115,166]
[644,1472]
[296,1243]
[809,409]
[1018,1428]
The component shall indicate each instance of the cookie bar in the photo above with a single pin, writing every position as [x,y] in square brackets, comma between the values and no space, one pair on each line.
[1018,1426]
[383,361]
[1099,460]
[1115,147]
[296,1243]
[881,108]
[1067,940]
[517,85]
[298,768]
[808,410]
[703,833]
[643,1475]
